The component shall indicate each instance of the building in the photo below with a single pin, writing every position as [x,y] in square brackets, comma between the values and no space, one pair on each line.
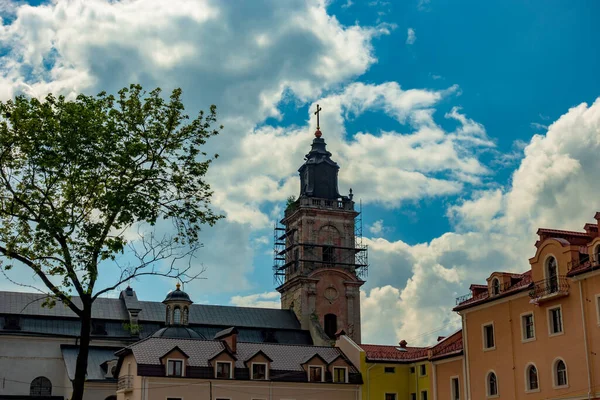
[536,335]
[176,363]
[320,261]
[320,268]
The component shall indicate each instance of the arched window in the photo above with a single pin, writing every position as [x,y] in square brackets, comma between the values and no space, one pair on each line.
[186,312]
[176,316]
[552,275]
[560,373]
[40,386]
[596,259]
[168,319]
[330,325]
[495,286]
[532,378]
[492,384]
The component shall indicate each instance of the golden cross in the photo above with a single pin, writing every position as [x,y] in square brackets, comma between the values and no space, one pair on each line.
[317,114]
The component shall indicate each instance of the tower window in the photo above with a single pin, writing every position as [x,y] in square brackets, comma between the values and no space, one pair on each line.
[177,316]
[328,254]
[330,325]
[40,386]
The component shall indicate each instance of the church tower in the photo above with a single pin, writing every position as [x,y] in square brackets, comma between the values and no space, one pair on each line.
[320,261]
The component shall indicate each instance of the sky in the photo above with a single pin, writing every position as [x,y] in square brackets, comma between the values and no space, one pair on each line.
[461,126]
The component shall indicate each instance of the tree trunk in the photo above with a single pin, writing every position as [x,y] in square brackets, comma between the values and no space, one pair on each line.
[84,347]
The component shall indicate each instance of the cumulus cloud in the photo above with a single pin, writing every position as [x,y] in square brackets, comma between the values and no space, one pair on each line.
[411,36]
[494,230]
[263,300]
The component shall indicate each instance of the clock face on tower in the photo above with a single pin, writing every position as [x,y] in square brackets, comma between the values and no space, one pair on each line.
[331,294]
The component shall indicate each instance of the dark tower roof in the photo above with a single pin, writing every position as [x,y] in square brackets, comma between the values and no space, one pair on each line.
[319,173]
[177,295]
[177,331]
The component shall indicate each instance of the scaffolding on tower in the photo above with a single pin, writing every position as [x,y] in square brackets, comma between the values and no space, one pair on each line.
[287,248]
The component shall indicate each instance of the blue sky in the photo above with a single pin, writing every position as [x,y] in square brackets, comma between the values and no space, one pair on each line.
[436,133]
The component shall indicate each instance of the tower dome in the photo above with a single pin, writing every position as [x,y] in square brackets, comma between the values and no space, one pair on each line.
[178,307]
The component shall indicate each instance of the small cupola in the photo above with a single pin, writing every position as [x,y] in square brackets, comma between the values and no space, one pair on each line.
[178,307]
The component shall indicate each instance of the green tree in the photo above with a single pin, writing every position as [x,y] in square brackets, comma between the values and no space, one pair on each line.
[77,176]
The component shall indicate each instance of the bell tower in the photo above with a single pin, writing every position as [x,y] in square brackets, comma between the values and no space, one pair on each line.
[320,262]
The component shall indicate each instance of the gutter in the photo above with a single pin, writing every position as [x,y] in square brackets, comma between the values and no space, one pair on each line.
[585,342]
[369,382]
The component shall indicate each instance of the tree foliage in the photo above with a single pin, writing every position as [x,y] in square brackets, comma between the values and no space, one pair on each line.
[77,175]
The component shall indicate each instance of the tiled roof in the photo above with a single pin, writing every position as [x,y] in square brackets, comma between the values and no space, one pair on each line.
[542,231]
[96,357]
[523,281]
[449,346]
[152,311]
[375,352]
[285,357]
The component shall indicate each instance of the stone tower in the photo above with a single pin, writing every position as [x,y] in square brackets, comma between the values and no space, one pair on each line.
[319,262]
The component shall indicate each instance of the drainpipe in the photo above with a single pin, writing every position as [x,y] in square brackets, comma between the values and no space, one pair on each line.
[585,341]
[512,348]
[416,381]
[434,378]
[467,377]
[369,382]
[270,390]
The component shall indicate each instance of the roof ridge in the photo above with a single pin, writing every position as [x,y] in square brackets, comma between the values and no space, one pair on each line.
[289,344]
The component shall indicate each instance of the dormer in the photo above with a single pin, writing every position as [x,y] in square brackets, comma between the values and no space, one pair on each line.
[229,338]
[338,369]
[223,364]
[315,368]
[498,282]
[175,362]
[259,366]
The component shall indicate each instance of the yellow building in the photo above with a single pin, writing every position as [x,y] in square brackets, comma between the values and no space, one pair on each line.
[390,372]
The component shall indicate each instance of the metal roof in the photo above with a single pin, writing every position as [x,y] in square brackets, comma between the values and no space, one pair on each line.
[96,357]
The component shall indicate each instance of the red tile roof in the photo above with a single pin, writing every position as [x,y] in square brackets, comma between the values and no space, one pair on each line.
[449,346]
[560,232]
[523,281]
[377,352]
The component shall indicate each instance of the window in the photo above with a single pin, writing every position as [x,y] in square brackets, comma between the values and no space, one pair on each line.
[328,254]
[177,316]
[174,398]
[168,319]
[495,286]
[531,378]
[315,374]
[527,327]
[412,370]
[598,308]
[390,396]
[424,395]
[40,386]
[186,313]
[552,275]
[555,324]
[389,370]
[492,385]
[596,259]
[488,337]
[259,371]
[413,396]
[11,323]
[340,374]
[223,370]
[330,325]
[174,368]
[455,388]
[423,370]
[560,374]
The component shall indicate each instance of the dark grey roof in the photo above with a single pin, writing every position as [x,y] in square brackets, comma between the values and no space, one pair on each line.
[114,309]
[177,295]
[225,332]
[96,357]
[285,357]
[177,332]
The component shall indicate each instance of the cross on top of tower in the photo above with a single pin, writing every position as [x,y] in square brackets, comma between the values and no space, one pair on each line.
[318,131]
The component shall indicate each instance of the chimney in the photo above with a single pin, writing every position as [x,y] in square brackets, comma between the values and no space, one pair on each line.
[229,337]
[403,344]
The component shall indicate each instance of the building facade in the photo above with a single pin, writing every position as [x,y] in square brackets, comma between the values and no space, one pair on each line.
[536,335]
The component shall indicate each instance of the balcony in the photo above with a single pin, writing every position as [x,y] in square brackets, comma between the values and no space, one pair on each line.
[125,383]
[549,289]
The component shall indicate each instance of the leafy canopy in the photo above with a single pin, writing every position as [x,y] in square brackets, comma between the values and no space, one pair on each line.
[75,175]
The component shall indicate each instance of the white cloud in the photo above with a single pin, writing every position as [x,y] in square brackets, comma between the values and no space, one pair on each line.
[411,36]
[263,300]
[554,186]
[377,227]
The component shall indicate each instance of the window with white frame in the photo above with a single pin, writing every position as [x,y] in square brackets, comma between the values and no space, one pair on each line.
[555,321]
[174,367]
[492,384]
[488,337]
[224,369]
[531,377]
[340,374]
[424,395]
[527,327]
[315,373]
[259,371]
[455,388]
[560,374]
